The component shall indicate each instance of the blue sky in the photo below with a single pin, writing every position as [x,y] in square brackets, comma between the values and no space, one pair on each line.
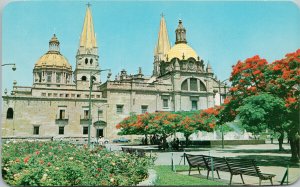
[220,32]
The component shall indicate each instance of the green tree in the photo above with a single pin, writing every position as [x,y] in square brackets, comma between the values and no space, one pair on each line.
[263,111]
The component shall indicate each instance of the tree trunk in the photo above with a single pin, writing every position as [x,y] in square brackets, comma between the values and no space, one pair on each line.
[186,140]
[165,144]
[146,139]
[294,143]
[280,141]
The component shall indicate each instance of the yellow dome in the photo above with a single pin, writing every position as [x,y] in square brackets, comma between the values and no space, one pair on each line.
[180,49]
[53,60]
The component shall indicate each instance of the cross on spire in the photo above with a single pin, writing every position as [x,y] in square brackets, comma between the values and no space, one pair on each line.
[162,14]
[88,4]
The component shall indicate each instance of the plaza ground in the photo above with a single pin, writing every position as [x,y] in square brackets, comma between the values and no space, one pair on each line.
[269,159]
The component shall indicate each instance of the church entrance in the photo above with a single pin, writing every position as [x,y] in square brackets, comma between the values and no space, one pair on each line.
[99,133]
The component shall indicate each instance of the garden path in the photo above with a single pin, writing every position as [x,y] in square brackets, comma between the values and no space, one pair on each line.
[271,160]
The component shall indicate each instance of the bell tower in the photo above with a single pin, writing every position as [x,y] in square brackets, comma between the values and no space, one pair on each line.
[162,46]
[87,64]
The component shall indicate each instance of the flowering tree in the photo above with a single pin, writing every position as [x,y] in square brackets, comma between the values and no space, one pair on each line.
[163,123]
[166,123]
[135,124]
[285,83]
[280,78]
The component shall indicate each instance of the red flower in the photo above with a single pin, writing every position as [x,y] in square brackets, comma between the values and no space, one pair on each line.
[277,67]
[256,72]
[286,74]
[37,152]
[233,89]
[252,88]
[226,101]
[49,164]
[99,169]
[241,80]
[262,62]
[26,159]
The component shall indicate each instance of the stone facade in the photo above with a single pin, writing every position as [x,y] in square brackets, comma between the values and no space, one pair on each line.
[56,106]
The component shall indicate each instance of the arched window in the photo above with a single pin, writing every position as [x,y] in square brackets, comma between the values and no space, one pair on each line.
[86,61]
[91,61]
[83,78]
[40,76]
[193,84]
[184,85]
[202,86]
[10,113]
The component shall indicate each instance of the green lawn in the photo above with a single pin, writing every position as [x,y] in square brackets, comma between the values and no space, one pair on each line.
[167,177]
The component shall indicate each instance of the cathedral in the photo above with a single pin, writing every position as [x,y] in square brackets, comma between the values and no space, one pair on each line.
[63,101]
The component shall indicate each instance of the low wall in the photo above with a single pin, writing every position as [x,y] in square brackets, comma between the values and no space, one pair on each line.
[210,143]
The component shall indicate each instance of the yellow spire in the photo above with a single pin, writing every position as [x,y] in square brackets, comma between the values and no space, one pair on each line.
[88,38]
[163,44]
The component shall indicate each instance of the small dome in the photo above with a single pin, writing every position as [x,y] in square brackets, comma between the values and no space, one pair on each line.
[181,49]
[53,60]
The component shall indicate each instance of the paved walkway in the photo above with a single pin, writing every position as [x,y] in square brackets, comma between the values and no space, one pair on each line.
[266,153]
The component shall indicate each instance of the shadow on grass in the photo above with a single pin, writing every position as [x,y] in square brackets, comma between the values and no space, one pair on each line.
[267,160]
[258,151]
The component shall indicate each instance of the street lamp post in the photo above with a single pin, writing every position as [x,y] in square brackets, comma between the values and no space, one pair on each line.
[10,64]
[222,130]
[90,103]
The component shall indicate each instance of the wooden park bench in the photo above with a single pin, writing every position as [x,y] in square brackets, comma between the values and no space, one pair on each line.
[246,167]
[234,166]
[195,161]
[215,164]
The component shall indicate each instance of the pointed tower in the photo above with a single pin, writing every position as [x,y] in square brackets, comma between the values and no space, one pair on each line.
[87,55]
[162,46]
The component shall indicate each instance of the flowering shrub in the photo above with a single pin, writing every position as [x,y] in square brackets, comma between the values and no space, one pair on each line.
[63,164]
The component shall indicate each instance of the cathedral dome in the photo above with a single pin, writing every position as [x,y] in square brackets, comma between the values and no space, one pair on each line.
[181,51]
[53,58]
